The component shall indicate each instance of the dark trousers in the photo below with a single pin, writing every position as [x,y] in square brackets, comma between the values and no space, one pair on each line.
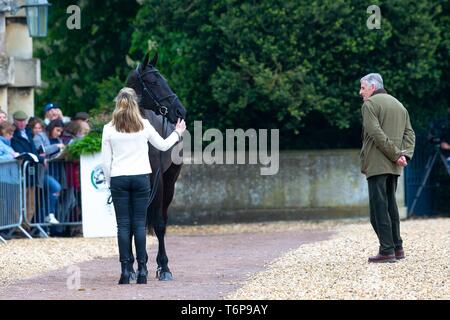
[384,215]
[130,196]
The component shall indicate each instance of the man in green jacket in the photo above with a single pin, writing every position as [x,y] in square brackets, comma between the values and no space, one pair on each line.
[388,145]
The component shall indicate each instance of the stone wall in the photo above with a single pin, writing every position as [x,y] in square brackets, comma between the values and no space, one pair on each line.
[308,185]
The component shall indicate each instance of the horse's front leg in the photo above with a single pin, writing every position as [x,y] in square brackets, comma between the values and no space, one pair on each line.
[163,272]
[169,179]
[159,226]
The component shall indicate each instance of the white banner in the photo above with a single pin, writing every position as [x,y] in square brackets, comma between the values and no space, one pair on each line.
[99,219]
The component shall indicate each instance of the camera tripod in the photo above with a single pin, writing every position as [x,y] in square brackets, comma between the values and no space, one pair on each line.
[429,168]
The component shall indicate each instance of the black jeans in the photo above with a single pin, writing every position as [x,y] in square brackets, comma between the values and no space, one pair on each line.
[384,215]
[130,196]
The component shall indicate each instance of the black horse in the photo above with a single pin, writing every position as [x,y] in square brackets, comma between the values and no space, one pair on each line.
[162,108]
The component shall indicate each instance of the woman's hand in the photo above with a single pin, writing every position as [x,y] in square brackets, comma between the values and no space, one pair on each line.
[180,126]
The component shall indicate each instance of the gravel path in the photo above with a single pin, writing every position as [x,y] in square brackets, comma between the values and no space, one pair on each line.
[338,268]
[22,258]
[208,262]
[282,260]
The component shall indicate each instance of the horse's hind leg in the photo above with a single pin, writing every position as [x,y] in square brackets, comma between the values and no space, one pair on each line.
[170,177]
[163,271]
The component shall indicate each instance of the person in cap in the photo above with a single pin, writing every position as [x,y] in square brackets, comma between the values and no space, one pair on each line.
[22,142]
[82,120]
[53,112]
[81,116]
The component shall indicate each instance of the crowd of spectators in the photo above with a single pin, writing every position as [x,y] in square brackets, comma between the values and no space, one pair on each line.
[41,142]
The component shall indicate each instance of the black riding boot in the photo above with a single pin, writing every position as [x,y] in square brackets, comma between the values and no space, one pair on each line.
[142,273]
[125,275]
[130,267]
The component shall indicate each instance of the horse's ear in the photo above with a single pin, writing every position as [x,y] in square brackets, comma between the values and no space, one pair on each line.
[145,63]
[154,60]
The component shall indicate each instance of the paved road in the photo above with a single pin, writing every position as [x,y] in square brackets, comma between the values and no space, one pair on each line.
[204,267]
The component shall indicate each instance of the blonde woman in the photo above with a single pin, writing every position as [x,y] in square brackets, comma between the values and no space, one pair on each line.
[127,167]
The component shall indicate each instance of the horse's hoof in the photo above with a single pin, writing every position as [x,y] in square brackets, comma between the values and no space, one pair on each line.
[158,272]
[165,276]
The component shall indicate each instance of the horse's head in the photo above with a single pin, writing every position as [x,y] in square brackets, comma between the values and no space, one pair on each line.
[154,91]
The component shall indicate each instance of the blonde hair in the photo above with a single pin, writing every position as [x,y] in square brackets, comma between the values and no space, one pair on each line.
[127,117]
[6,127]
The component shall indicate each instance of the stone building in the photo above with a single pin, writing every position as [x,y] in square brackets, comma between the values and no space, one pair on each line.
[19,72]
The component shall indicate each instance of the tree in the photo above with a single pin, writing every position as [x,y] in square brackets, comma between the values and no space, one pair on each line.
[292,65]
[84,69]
[275,64]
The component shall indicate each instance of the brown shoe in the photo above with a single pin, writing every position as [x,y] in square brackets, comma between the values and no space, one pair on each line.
[381,258]
[399,254]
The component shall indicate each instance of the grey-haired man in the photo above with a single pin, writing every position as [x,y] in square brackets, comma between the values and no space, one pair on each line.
[388,144]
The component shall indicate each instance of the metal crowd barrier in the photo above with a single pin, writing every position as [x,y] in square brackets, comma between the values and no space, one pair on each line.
[11,197]
[27,197]
[40,184]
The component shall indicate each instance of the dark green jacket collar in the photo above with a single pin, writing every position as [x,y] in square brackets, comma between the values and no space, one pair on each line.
[379,91]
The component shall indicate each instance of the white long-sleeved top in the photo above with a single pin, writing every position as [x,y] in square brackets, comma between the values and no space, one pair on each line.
[126,154]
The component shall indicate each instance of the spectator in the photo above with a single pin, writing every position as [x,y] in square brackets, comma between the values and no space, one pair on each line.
[6,151]
[53,112]
[3,116]
[81,117]
[54,131]
[41,140]
[71,200]
[71,132]
[9,177]
[36,125]
[85,129]
[22,142]
[77,128]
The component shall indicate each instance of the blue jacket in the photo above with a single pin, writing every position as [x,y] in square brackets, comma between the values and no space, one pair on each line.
[6,152]
[9,169]
[41,141]
[22,145]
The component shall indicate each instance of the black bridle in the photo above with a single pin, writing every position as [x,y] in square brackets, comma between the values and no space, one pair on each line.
[163,109]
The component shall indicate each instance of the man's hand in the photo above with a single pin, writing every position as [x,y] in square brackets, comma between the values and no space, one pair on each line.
[402,161]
